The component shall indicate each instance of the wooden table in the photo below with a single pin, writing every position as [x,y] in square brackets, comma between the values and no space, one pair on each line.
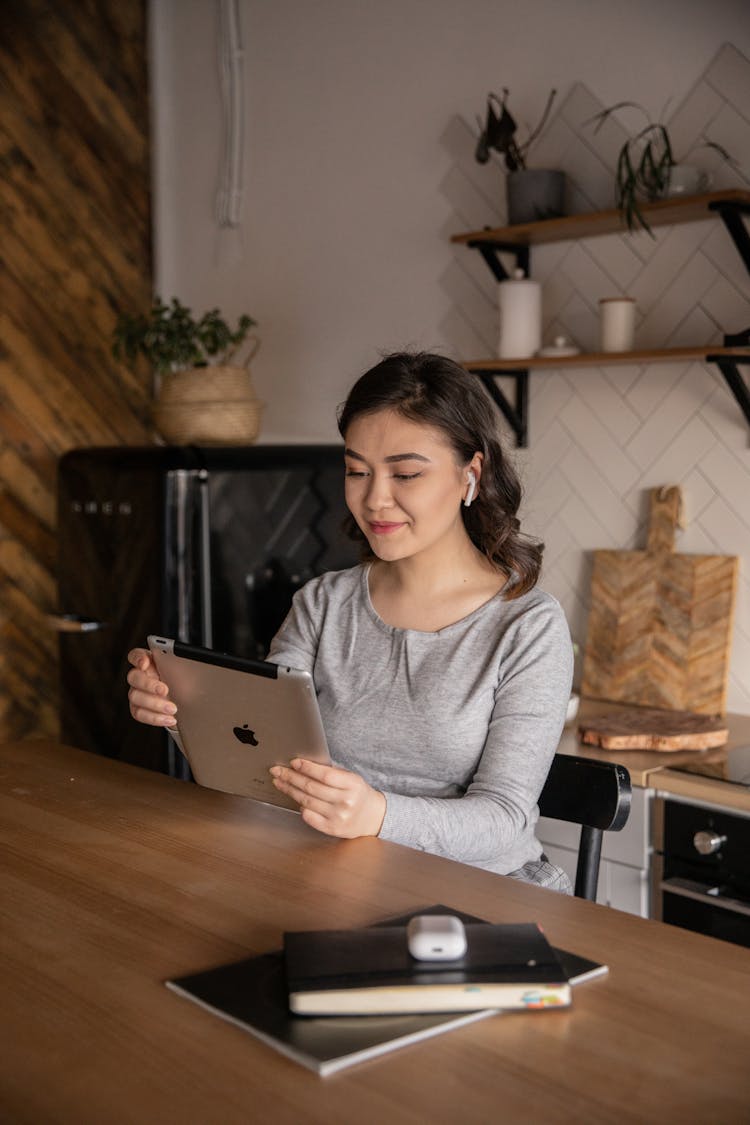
[114,879]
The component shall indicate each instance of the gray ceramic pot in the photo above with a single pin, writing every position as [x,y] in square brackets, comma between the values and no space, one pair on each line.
[534,194]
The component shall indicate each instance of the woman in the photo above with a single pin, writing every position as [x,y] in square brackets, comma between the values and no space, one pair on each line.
[442,673]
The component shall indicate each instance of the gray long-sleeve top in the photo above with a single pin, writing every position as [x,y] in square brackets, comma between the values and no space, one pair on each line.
[457,728]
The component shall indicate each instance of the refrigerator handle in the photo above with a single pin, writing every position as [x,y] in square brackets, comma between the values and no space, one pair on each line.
[73,623]
[205,557]
[189,523]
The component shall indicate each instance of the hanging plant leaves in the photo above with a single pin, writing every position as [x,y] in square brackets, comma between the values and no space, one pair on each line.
[499,132]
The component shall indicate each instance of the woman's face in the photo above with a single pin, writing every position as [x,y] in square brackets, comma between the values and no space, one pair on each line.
[403,485]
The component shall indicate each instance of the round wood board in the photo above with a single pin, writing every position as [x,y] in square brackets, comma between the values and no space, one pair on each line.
[652,729]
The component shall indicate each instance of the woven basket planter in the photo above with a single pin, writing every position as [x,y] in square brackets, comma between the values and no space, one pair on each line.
[208,406]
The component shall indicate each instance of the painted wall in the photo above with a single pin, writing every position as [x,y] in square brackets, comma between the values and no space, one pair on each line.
[358,165]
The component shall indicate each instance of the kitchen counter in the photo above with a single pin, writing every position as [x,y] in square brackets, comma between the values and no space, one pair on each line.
[625,876]
[711,791]
[645,765]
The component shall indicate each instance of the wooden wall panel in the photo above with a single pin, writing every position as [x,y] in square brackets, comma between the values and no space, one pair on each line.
[75,251]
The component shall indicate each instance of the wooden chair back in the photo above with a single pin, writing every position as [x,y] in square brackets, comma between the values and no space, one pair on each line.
[595,795]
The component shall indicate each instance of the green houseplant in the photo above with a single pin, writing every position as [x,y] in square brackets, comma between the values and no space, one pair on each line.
[533,193]
[171,339]
[203,395]
[645,164]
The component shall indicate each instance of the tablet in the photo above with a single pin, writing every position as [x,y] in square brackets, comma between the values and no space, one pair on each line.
[238,717]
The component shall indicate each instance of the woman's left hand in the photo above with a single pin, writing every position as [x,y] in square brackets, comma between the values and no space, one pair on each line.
[335,801]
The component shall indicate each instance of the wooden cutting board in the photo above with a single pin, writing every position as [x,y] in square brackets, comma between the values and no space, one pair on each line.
[649,729]
[660,623]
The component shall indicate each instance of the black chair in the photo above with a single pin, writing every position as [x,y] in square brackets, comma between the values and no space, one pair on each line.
[595,795]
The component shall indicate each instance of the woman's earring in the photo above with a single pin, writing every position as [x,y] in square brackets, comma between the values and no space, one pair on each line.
[470,490]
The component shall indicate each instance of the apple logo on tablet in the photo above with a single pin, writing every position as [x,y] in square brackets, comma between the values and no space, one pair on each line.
[244,734]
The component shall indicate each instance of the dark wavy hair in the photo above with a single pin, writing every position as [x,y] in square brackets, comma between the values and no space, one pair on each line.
[433,390]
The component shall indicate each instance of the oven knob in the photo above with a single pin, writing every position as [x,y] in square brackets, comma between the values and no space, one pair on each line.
[708,842]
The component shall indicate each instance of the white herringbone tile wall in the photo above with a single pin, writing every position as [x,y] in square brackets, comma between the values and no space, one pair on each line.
[600,438]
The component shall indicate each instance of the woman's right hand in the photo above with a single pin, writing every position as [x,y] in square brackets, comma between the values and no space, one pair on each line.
[148,694]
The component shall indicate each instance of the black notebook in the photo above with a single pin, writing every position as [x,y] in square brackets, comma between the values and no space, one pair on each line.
[252,994]
[371,971]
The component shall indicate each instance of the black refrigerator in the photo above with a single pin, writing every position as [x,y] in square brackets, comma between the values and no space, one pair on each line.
[203,544]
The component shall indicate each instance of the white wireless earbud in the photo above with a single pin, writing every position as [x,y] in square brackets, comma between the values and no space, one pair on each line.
[472,479]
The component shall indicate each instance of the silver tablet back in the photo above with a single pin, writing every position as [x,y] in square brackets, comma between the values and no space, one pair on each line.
[236,718]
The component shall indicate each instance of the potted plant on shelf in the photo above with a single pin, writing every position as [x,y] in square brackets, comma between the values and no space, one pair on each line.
[533,193]
[647,168]
[203,396]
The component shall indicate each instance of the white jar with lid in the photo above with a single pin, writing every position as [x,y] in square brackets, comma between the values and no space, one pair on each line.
[520,302]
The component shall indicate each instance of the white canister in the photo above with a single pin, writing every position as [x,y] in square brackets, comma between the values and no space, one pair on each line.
[617,324]
[520,301]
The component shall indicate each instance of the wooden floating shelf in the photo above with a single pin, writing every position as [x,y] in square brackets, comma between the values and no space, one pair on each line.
[608,359]
[730,206]
[686,209]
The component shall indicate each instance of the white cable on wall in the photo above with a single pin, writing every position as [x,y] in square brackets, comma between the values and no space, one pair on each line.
[229,194]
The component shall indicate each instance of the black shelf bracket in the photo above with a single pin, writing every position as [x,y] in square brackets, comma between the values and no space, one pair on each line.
[729,367]
[491,251]
[515,414]
[731,215]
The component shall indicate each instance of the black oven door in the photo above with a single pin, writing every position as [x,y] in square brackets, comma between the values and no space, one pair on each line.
[702,870]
